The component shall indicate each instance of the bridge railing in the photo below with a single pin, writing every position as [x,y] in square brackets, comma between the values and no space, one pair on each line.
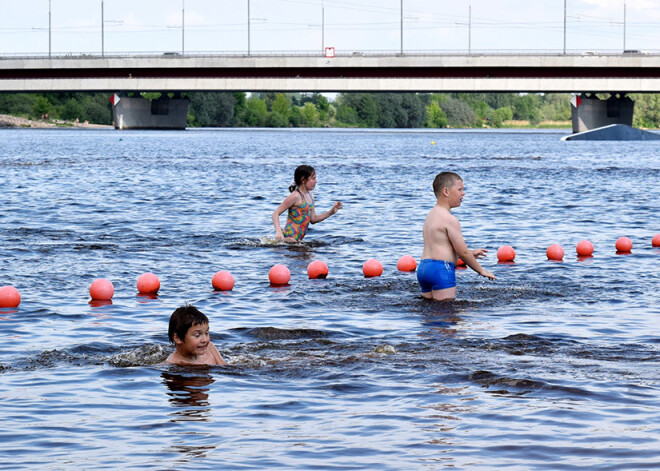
[370,53]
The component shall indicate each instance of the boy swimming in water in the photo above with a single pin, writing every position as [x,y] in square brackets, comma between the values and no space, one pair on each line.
[300,206]
[444,243]
[189,330]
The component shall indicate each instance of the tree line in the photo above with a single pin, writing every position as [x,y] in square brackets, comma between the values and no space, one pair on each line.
[366,110]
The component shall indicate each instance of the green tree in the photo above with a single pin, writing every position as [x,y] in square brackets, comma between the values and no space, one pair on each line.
[72,109]
[41,106]
[309,115]
[256,112]
[435,117]
[282,105]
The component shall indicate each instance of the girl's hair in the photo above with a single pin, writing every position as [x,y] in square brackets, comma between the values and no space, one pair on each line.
[303,172]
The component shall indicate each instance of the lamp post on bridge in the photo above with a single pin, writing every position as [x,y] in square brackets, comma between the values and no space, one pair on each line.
[49,29]
[183,26]
[102,30]
[322,27]
[401,34]
[624,25]
[564,27]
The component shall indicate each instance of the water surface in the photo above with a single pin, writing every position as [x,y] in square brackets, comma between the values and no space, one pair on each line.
[552,366]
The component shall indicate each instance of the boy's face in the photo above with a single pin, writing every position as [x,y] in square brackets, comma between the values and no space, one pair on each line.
[455,194]
[196,341]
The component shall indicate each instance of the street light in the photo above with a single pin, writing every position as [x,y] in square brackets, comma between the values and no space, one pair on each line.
[564,27]
[470,28]
[248,27]
[183,26]
[49,29]
[322,27]
[624,25]
[401,33]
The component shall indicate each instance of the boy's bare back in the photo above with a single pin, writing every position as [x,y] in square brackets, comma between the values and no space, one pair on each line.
[438,226]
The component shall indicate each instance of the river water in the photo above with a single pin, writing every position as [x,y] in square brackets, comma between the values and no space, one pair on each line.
[555,365]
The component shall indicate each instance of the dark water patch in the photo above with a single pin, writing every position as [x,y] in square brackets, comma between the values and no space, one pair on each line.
[274,333]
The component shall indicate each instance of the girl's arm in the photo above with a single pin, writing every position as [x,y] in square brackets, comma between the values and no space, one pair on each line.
[284,206]
[335,207]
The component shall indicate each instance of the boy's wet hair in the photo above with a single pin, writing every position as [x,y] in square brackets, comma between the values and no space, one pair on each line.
[182,319]
[302,172]
[444,180]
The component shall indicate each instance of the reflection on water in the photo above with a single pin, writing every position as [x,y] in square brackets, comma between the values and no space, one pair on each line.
[552,366]
[189,391]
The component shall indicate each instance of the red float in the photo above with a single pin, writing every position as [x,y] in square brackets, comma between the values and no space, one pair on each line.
[555,252]
[9,297]
[223,281]
[506,253]
[655,242]
[406,263]
[460,263]
[101,290]
[584,248]
[279,275]
[623,244]
[148,283]
[372,267]
[317,269]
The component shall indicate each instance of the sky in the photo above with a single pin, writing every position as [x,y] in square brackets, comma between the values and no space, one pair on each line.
[308,26]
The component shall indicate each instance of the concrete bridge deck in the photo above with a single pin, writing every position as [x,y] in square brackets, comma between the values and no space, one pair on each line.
[635,72]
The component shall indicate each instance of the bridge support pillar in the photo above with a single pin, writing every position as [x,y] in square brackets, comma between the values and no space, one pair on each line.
[590,112]
[137,112]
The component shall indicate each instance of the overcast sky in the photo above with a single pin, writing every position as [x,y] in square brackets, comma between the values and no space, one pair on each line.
[306,26]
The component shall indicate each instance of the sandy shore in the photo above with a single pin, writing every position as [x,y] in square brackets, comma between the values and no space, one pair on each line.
[8,121]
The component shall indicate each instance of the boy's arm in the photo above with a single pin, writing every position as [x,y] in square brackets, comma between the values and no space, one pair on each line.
[460,247]
[216,355]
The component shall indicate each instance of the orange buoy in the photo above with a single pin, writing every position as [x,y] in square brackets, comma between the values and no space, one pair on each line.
[584,248]
[223,281]
[655,242]
[623,244]
[460,263]
[372,267]
[406,263]
[9,297]
[506,253]
[555,252]
[101,290]
[317,269]
[148,283]
[279,275]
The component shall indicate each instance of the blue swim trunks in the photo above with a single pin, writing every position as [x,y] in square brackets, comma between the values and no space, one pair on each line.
[436,274]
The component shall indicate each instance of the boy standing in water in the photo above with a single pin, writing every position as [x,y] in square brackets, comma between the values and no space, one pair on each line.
[189,330]
[444,243]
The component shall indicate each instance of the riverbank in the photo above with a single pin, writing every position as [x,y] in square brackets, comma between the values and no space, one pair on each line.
[9,121]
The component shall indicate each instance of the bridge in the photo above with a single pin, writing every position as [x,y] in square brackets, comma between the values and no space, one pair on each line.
[591,72]
[617,74]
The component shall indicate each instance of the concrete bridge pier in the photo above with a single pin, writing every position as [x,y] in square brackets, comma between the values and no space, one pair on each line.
[137,112]
[590,112]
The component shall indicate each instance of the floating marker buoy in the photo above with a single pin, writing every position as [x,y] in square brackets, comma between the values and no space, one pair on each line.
[317,269]
[9,297]
[584,248]
[372,267]
[223,281]
[460,263]
[655,242]
[279,275]
[555,252]
[406,263]
[101,290]
[623,244]
[432,143]
[506,253]
[148,283]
